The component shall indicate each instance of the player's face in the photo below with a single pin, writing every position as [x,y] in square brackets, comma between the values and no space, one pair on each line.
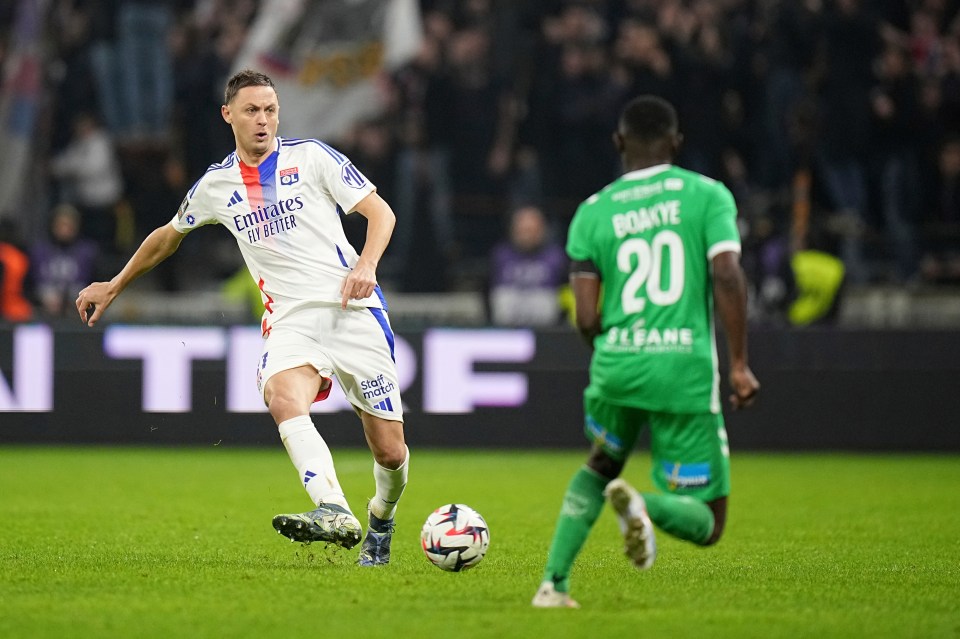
[254,116]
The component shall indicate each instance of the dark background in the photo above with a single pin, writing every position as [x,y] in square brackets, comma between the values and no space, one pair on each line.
[822,390]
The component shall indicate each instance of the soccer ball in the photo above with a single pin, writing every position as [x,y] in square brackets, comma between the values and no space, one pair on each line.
[455,537]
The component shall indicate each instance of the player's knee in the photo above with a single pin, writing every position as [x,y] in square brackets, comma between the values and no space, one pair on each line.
[715,535]
[283,406]
[391,457]
[604,465]
[719,509]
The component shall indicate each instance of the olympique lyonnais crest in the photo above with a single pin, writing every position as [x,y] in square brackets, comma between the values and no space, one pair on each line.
[289,176]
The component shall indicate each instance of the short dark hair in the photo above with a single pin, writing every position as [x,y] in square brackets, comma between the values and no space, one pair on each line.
[245,78]
[648,118]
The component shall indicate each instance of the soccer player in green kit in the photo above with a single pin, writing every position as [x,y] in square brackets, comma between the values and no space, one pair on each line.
[662,244]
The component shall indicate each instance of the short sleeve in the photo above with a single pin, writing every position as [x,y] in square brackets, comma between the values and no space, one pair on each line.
[578,236]
[721,230]
[193,212]
[345,183]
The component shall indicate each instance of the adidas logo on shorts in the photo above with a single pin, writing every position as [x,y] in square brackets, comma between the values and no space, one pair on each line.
[384,405]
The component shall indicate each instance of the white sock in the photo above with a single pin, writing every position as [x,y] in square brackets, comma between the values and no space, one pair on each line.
[390,485]
[312,459]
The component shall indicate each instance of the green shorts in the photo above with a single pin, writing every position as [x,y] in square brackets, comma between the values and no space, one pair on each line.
[689,451]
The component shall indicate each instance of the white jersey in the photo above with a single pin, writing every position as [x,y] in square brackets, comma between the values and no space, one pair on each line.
[285,216]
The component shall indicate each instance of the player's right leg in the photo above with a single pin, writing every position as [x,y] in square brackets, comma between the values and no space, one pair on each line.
[289,394]
[613,431]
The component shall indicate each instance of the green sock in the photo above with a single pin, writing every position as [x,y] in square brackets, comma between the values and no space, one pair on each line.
[681,516]
[582,504]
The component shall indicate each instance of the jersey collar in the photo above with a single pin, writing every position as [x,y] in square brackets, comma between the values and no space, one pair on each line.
[643,174]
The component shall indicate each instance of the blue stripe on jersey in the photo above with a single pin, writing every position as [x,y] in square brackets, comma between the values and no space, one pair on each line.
[226,164]
[387,331]
[340,211]
[333,153]
[340,255]
[268,178]
[336,155]
[383,300]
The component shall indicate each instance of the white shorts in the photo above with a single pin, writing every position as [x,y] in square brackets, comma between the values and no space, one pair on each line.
[355,345]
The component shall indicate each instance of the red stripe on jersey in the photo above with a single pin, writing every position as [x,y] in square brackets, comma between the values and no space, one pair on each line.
[251,180]
[267,303]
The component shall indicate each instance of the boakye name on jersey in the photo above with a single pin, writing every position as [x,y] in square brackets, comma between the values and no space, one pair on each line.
[285,216]
[652,234]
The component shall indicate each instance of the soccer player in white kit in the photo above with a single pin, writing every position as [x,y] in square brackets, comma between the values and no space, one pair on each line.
[323,315]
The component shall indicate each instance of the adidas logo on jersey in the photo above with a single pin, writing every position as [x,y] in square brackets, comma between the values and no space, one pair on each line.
[234,199]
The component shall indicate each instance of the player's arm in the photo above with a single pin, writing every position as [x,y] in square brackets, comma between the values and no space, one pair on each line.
[361,281]
[730,297]
[585,283]
[158,246]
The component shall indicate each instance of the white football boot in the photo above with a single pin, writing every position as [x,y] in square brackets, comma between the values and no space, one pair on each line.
[639,542]
[328,523]
[548,597]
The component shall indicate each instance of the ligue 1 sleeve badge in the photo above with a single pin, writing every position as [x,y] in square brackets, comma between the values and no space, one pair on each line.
[289,176]
[352,176]
[183,207]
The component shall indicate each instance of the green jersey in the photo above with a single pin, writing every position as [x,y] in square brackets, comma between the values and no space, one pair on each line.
[652,234]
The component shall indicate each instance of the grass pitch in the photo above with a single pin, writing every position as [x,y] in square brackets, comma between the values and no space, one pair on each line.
[119,542]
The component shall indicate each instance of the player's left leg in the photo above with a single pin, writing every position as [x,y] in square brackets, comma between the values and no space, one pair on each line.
[390,466]
[691,468]
[639,539]
[363,358]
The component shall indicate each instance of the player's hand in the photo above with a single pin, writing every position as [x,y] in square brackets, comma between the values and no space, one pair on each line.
[358,284]
[745,387]
[93,301]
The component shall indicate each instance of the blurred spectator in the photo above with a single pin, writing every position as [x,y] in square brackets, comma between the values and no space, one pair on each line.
[203,54]
[476,98]
[793,46]
[62,263]
[572,103]
[72,67]
[90,179]
[105,60]
[950,82]
[819,278]
[766,261]
[893,156]
[584,103]
[370,145]
[527,271]
[146,68]
[423,189]
[941,260]
[14,275]
[851,39]
[644,64]
[704,71]
[924,41]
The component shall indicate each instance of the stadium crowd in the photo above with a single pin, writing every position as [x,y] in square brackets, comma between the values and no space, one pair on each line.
[836,124]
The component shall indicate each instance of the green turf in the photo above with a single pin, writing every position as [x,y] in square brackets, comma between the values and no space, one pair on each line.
[103,542]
